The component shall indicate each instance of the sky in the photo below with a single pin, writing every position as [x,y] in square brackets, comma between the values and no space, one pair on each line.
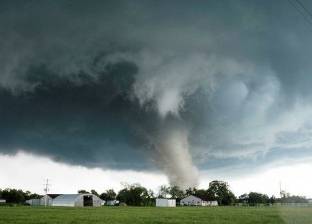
[155,92]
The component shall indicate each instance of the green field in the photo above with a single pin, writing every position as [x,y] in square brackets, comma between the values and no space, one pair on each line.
[138,215]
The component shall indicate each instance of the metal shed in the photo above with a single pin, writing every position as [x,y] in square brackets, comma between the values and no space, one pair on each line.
[77,200]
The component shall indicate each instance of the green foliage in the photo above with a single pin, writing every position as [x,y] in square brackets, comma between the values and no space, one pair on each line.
[219,191]
[94,192]
[13,196]
[201,194]
[176,193]
[164,191]
[257,198]
[136,195]
[108,195]
[83,192]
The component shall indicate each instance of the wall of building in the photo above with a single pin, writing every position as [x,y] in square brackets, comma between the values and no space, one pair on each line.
[162,202]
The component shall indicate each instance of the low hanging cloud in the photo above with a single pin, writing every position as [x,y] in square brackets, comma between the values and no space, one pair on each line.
[173,86]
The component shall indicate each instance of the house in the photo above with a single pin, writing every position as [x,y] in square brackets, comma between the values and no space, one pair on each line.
[192,200]
[164,202]
[77,200]
[2,201]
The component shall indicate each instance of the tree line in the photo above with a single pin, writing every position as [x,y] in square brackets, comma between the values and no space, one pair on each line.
[15,196]
[137,195]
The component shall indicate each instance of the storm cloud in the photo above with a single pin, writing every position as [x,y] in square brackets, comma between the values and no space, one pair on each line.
[173,86]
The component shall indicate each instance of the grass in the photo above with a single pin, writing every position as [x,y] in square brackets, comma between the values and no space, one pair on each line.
[140,215]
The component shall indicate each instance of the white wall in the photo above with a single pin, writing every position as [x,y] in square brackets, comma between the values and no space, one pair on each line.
[163,202]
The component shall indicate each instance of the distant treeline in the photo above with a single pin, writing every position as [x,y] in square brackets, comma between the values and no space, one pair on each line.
[15,196]
[137,195]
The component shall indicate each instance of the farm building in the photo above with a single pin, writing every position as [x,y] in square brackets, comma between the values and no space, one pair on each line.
[48,199]
[77,200]
[196,201]
[164,202]
[44,200]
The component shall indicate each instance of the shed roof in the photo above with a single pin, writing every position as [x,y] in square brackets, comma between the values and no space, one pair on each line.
[192,197]
[53,195]
[71,197]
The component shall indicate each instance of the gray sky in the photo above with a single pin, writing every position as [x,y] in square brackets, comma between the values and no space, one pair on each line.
[177,87]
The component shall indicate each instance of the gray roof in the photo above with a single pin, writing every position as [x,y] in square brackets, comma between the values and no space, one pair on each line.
[67,197]
[192,197]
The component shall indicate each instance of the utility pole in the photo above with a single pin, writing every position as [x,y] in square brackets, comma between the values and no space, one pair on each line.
[46,190]
[280,186]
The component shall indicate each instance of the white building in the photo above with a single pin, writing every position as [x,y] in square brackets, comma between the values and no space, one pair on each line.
[77,200]
[2,201]
[196,201]
[213,203]
[164,202]
[44,200]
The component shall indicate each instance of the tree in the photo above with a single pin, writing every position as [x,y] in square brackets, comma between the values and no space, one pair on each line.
[108,195]
[200,193]
[243,198]
[83,192]
[255,198]
[272,199]
[13,196]
[164,191]
[190,191]
[176,192]
[219,190]
[94,192]
[135,195]
[28,195]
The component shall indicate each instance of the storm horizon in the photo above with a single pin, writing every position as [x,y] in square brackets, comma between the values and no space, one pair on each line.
[176,91]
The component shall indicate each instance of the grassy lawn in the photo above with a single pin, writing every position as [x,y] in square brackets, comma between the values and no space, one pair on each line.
[137,215]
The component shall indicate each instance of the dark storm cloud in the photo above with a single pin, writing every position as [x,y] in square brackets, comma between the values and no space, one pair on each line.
[120,84]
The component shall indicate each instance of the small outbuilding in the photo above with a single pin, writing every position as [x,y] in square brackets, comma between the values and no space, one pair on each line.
[213,203]
[164,202]
[77,200]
